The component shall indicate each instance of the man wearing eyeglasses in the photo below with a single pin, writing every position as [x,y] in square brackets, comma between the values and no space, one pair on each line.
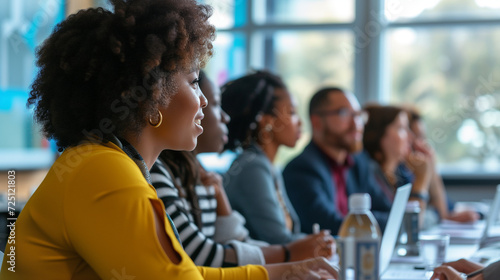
[329,169]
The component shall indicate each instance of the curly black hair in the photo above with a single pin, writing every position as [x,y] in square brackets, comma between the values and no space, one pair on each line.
[244,99]
[104,73]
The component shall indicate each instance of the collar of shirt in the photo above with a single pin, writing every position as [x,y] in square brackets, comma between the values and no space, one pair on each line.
[338,173]
[137,158]
[334,165]
[134,155]
[348,163]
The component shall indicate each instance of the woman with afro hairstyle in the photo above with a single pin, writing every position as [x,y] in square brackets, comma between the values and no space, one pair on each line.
[114,90]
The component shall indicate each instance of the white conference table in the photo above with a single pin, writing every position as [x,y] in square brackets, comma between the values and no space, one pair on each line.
[464,246]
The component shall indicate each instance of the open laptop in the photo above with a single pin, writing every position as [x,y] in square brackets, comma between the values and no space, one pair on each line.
[481,232]
[392,231]
[491,232]
[489,244]
[389,240]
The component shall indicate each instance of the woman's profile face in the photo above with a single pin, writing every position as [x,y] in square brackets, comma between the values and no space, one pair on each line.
[287,125]
[214,123]
[182,116]
[395,143]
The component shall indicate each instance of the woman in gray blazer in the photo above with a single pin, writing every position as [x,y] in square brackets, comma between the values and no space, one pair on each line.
[263,118]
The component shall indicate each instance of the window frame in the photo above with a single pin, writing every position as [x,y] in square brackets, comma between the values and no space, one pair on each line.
[371,83]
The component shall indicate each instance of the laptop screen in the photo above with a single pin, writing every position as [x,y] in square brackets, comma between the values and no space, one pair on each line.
[393,225]
[491,219]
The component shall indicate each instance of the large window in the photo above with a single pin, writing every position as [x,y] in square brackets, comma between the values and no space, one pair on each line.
[24,24]
[439,55]
[449,73]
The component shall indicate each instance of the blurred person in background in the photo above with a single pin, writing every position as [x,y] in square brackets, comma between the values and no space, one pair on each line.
[387,140]
[330,168]
[437,192]
[263,118]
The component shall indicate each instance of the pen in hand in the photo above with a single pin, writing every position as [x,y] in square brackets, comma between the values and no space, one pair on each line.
[315,228]
[475,273]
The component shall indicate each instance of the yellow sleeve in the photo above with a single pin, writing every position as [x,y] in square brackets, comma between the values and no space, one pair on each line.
[108,217]
[253,272]
[109,222]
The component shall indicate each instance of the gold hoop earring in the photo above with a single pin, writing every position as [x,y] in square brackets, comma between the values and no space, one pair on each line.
[159,122]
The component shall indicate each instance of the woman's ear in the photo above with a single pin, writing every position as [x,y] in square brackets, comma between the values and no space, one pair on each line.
[265,129]
[266,122]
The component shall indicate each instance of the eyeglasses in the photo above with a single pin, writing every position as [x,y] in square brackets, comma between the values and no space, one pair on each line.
[345,114]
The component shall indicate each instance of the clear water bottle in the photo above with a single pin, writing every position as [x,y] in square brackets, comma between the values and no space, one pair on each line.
[407,243]
[359,241]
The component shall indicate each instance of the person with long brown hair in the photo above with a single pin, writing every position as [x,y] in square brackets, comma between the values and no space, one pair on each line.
[387,140]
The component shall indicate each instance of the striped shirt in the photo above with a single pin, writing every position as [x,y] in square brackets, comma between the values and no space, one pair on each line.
[198,243]
[208,207]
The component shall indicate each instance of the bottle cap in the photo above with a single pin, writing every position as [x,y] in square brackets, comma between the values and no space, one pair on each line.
[360,201]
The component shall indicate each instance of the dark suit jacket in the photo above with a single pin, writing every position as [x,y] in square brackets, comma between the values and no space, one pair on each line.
[311,189]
